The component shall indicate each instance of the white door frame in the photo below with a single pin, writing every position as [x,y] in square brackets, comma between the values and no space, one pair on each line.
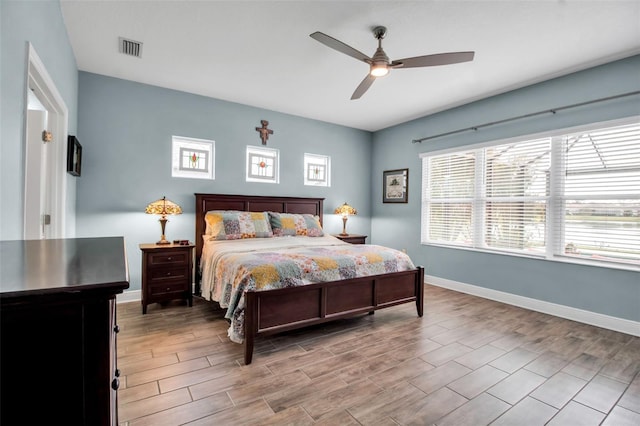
[44,88]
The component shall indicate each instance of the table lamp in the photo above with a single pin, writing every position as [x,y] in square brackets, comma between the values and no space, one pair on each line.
[163,207]
[345,210]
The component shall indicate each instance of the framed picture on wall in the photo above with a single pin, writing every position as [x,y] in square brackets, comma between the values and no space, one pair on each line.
[395,186]
[74,156]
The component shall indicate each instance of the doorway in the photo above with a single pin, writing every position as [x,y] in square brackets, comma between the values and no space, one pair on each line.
[45,162]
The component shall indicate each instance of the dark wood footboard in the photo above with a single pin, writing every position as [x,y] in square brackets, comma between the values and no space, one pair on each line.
[275,311]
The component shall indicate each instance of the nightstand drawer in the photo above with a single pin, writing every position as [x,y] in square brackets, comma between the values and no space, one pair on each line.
[166,288]
[163,274]
[177,257]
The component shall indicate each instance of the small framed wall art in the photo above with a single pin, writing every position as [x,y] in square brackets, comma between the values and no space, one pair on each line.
[395,186]
[74,156]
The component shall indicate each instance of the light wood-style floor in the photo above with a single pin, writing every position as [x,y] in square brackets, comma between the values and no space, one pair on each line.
[468,361]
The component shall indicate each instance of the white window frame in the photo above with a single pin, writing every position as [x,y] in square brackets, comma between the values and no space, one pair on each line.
[206,147]
[272,170]
[555,200]
[322,161]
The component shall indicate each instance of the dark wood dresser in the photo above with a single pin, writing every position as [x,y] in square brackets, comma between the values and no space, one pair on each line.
[58,330]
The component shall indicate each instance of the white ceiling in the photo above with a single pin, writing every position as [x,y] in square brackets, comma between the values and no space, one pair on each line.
[259,53]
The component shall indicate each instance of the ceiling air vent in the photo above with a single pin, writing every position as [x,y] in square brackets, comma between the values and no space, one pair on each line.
[130,47]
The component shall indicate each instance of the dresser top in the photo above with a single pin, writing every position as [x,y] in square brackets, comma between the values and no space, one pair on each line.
[39,267]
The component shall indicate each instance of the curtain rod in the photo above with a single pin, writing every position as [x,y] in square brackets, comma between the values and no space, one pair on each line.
[506,120]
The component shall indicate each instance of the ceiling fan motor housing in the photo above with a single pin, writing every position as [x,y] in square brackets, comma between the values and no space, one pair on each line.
[380,57]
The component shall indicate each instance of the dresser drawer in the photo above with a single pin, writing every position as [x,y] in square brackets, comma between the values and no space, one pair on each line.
[160,289]
[165,258]
[164,274]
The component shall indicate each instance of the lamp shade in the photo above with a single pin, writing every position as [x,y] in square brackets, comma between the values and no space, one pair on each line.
[346,210]
[163,207]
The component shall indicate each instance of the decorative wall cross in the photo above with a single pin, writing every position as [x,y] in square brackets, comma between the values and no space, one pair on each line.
[264,132]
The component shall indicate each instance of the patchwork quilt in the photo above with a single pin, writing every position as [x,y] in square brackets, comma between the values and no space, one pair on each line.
[230,268]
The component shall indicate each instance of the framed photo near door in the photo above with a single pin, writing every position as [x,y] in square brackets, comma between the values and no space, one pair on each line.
[74,156]
[395,186]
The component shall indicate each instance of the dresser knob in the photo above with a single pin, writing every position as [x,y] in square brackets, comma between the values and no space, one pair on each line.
[116,329]
[115,384]
[168,274]
[169,259]
[117,373]
[168,288]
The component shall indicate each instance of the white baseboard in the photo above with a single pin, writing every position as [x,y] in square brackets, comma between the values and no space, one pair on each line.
[593,318]
[129,296]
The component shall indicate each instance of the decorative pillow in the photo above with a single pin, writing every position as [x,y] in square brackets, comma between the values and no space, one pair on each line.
[295,224]
[234,225]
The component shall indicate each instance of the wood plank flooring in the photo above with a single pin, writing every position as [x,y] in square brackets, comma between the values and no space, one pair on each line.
[468,361]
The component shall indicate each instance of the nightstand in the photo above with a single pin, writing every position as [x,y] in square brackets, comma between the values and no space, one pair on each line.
[167,273]
[351,238]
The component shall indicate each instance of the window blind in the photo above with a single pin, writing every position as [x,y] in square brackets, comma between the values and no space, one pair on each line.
[515,199]
[601,195]
[567,195]
[451,183]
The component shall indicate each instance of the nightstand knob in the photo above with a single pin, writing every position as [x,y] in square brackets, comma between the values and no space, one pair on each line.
[115,384]
[116,329]
[117,373]
[168,274]
[169,259]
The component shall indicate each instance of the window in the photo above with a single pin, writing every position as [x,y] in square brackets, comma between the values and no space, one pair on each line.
[571,196]
[317,170]
[262,164]
[192,158]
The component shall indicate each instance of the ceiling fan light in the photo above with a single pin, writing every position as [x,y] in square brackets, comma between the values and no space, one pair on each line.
[379,70]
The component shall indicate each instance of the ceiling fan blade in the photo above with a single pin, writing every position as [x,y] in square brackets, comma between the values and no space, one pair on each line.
[433,60]
[363,86]
[340,46]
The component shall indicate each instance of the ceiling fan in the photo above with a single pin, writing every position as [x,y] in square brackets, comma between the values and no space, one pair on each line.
[380,64]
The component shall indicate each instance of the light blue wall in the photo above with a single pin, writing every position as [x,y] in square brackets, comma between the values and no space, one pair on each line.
[41,24]
[125,129]
[602,290]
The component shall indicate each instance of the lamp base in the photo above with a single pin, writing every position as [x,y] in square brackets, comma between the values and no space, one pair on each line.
[163,241]
[344,226]
[343,234]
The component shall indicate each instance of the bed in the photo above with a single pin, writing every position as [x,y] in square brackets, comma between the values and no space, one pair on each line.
[264,310]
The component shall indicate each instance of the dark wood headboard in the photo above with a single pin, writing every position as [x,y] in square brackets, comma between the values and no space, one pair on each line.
[250,203]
